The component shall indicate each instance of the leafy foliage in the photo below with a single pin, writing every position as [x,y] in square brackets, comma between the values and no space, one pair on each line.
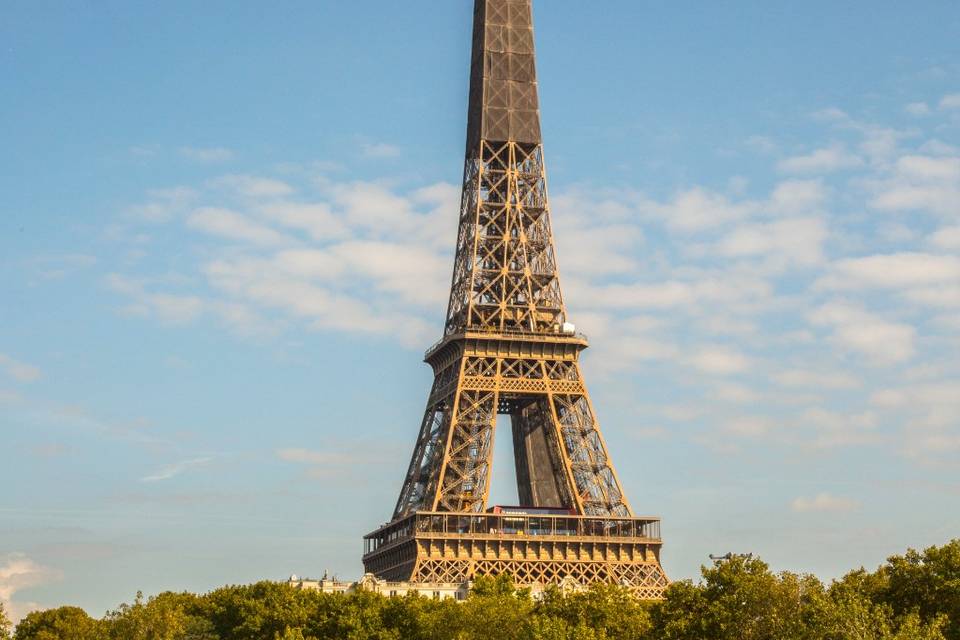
[5,624]
[65,623]
[912,597]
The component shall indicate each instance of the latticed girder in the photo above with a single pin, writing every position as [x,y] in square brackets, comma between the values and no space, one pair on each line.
[505,271]
[562,460]
[646,580]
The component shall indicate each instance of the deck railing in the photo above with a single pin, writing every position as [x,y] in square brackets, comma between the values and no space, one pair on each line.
[501,526]
[496,333]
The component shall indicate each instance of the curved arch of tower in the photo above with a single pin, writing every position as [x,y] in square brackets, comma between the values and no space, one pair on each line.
[508,348]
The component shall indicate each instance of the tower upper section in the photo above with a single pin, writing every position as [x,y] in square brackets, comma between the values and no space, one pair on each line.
[504,105]
[505,271]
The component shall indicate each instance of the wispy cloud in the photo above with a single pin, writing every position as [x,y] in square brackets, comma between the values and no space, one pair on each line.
[950,101]
[253,186]
[17,573]
[19,371]
[858,330]
[55,266]
[380,150]
[823,502]
[306,456]
[719,360]
[207,154]
[342,461]
[825,160]
[234,226]
[173,470]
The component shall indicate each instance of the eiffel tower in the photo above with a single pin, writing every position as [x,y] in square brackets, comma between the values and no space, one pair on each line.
[508,348]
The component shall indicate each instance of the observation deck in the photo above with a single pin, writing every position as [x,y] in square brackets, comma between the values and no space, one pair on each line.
[535,548]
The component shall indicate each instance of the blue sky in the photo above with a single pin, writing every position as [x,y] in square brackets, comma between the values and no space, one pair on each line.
[226,243]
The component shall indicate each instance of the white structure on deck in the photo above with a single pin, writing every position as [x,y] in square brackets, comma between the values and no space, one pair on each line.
[437,591]
[370,582]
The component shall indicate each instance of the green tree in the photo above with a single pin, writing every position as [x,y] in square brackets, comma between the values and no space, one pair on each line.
[5,624]
[261,610]
[548,627]
[64,623]
[911,627]
[926,583]
[740,599]
[495,609]
[844,612]
[609,610]
[290,634]
[168,616]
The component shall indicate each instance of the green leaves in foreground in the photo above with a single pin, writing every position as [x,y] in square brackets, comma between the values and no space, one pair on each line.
[911,597]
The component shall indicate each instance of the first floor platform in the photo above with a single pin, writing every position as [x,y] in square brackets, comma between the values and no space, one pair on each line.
[536,549]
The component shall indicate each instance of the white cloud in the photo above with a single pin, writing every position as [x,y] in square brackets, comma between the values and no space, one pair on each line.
[253,186]
[929,413]
[857,330]
[374,206]
[825,160]
[747,426]
[588,227]
[816,379]
[929,169]
[719,360]
[736,394]
[317,219]
[234,226]
[690,295]
[945,392]
[762,144]
[838,429]
[55,266]
[938,148]
[416,274]
[698,209]
[926,279]
[793,240]
[918,109]
[921,183]
[891,271]
[17,573]
[797,196]
[207,154]
[823,502]
[951,101]
[173,470]
[341,463]
[380,150]
[17,370]
[163,204]
[628,351]
[262,283]
[307,456]
[832,115]
[169,308]
[946,238]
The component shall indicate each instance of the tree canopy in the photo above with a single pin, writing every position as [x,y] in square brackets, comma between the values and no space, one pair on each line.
[5,624]
[911,597]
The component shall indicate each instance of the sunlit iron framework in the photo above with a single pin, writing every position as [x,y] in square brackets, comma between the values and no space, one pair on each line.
[508,348]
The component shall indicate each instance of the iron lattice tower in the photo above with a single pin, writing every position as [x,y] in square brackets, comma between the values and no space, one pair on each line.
[509,349]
